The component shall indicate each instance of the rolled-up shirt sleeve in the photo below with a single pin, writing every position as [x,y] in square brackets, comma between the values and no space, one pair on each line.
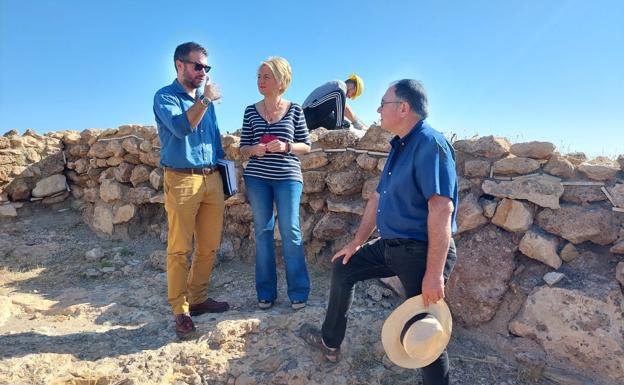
[167,108]
[437,174]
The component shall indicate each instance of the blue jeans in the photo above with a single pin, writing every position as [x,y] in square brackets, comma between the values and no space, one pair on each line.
[381,258]
[287,195]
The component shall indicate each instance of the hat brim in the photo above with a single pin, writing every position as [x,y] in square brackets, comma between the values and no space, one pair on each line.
[392,328]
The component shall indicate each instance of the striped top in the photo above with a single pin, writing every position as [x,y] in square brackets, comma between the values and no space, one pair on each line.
[291,128]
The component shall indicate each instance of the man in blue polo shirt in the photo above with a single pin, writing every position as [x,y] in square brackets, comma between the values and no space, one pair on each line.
[190,146]
[414,211]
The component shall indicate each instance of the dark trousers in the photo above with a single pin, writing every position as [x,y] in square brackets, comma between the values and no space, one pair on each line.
[327,111]
[381,258]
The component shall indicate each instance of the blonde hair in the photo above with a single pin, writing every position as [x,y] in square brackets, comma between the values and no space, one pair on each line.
[281,70]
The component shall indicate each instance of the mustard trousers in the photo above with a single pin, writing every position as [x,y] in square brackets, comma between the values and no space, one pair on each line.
[194,205]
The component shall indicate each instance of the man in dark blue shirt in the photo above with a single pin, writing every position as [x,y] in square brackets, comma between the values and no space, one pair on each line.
[414,211]
[190,146]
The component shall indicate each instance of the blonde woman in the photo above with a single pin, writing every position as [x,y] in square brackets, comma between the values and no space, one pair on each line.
[274,132]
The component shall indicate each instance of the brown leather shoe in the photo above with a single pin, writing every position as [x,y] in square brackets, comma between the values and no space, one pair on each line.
[184,326]
[208,306]
[312,336]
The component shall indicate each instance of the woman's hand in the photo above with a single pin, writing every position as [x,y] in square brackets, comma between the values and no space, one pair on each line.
[258,150]
[276,145]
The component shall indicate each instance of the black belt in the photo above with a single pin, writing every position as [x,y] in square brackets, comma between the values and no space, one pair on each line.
[194,171]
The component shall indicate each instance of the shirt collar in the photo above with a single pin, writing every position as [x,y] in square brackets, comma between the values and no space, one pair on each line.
[412,133]
[181,90]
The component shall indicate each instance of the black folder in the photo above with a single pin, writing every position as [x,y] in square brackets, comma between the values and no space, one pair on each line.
[227,169]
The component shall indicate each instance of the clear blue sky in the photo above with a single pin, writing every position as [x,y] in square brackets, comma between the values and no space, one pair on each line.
[528,70]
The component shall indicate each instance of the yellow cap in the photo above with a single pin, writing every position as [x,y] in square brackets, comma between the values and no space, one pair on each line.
[359,84]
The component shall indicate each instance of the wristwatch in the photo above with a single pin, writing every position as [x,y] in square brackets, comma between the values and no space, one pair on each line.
[205,101]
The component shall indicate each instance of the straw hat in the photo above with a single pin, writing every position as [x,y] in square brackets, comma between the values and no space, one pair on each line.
[415,344]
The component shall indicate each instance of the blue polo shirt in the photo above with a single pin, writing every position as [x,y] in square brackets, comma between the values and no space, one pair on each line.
[419,165]
[183,146]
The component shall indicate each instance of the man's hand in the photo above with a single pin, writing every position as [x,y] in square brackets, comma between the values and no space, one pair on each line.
[211,91]
[432,288]
[348,251]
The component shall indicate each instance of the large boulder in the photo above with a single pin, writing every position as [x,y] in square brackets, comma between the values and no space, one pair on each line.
[376,139]
[535,149]
[141,195]
[579,224]
[514,216]
[156,178]
[50,186]
[131,145]
[140,174]
[369,187]
[515,165]
[540,246]
[111,191]
[485,265]
[469,214]
[314,181]
[487,146]
[559,166]
[540,189]
[345,182]
[337,139]
[345,205]
[584,328]
[313,160]
[331,226]
[103,218]
[366,162]
[99,150]
[19,190]
[476,168]
[599,169]
[583,194]
[123,172]
[123,212]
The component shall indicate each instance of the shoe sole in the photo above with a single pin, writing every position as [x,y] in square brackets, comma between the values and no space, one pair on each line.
[298,306]
[265,306]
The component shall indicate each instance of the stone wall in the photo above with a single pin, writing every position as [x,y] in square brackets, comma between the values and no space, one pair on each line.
[540,238]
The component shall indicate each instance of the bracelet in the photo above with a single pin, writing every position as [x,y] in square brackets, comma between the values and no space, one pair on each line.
[288,148]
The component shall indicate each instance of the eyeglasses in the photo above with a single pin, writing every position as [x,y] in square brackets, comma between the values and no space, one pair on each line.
[198,66]
[383,102]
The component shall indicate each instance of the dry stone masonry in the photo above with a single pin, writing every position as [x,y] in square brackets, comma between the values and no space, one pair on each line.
[540,240]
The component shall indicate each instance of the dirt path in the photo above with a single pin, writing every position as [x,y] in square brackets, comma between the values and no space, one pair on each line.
[65,319]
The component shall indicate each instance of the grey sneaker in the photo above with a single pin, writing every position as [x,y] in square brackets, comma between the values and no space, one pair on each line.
[296,305]
[312,336]
[264,304]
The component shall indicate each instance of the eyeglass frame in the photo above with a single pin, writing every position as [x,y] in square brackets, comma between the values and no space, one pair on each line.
[383,102]
[198,66]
